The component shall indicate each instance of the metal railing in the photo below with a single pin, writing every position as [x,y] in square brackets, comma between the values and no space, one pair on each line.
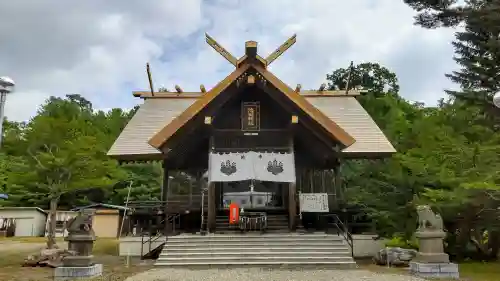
[153,238]
[253,221]
[341,229]
[204,223]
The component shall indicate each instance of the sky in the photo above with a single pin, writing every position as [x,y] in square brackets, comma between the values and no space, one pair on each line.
[99,49]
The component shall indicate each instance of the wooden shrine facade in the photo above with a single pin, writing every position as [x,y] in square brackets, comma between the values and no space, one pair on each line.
[251,110]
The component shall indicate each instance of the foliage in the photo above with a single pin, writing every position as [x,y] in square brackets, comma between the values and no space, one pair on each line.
[61,153]
[448,157]
[441,13]
[477,52]
[401,242]
[477,48]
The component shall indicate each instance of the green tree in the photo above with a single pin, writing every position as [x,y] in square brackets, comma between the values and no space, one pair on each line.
[372,77]
[64,151]
[439,13]
[477,51]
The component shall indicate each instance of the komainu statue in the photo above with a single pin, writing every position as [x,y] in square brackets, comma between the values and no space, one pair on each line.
[80,224]
[428,220]
[80,239]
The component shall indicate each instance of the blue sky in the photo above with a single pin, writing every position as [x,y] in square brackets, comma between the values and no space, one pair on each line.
[99,48]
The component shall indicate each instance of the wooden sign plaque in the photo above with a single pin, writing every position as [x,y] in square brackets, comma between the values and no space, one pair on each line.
[250,116]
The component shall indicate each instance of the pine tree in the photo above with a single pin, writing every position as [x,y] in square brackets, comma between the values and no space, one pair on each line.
[439,13]
[477,51]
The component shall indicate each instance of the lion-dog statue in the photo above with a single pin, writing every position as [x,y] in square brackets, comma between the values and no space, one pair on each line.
[428,220]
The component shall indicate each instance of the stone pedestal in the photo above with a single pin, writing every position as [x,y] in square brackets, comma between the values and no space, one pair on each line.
[431,260]
[434,270]
[431,249]
[79,272]
[82,245]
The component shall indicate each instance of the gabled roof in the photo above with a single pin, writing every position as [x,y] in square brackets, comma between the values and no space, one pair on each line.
[23,209]
[170,128]
[101,205]
[132,144]
[329,125]
[163,114]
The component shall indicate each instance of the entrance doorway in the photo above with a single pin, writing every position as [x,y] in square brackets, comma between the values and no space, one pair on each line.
[253,195]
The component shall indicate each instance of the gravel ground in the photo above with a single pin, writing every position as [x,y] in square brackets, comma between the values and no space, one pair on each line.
[256,274]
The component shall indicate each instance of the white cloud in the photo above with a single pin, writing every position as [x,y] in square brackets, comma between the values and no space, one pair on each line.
[99,49]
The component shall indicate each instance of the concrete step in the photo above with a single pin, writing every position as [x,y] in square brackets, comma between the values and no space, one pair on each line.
[317,243]
[263,254]
[263,237]
[250,237]
[264,260]
[231,230]
[231,249]
[271,264]
[254,245]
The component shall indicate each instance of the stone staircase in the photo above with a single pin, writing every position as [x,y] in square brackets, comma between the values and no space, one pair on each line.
[256,250]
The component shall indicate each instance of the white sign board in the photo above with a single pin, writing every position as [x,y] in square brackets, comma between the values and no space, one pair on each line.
[314,202]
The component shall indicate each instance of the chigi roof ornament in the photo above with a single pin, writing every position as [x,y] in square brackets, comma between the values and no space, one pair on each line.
[251,51]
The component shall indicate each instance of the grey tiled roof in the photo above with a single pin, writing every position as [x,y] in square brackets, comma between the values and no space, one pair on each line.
[151,117]
[348,113]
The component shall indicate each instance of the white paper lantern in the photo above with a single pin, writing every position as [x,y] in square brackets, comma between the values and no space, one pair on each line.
[496,100]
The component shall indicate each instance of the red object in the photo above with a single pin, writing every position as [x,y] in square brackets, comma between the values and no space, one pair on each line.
[234,213]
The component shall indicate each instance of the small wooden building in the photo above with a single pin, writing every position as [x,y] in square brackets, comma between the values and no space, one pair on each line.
[26,221]
[250,134]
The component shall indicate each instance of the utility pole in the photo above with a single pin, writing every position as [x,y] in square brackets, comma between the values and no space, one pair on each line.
[6,87]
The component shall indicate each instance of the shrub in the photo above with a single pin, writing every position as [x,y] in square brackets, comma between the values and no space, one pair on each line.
[398,241]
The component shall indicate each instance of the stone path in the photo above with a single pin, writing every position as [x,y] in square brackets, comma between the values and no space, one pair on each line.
[256,274]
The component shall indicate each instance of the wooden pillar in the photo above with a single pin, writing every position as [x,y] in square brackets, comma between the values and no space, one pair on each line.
[292,201]
[211,207]
[164,188]
[337,186]
[211,212]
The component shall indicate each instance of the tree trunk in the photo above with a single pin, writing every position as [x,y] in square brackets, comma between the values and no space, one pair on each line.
[51,237]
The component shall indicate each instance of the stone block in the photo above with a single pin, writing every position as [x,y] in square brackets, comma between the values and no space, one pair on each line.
[434,270]
[72,273]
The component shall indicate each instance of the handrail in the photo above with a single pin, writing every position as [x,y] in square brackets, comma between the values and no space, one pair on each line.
[158,234]
[343,229]
[203,190]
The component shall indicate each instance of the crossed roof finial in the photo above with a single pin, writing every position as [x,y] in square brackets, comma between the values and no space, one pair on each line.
[251,51]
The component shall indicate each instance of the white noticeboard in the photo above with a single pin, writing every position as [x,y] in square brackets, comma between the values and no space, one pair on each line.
[314,202]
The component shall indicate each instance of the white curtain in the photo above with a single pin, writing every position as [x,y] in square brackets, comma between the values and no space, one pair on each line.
[275,167]
[229,167]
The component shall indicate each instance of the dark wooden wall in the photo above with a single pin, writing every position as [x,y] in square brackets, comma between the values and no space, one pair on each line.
[272,115]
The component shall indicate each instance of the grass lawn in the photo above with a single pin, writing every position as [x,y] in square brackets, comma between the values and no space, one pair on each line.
[105,252]
[471,271]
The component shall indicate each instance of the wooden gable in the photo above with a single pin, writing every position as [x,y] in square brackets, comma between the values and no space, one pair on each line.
[251,63]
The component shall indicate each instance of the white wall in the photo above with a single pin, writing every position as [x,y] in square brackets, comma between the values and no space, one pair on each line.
[131,246]
[29,221]
[365,246]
